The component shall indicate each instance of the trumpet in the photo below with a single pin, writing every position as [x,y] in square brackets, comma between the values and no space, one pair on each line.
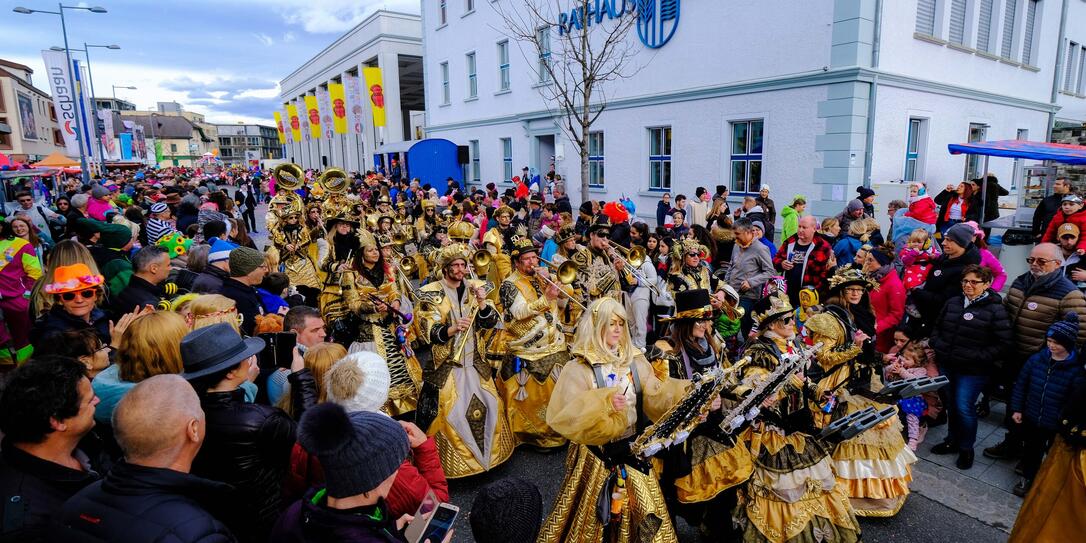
[462,342]
[566,274]
[634,257]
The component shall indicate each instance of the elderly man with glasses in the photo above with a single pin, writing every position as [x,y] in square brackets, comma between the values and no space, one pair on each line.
[1037,299]
[39,214]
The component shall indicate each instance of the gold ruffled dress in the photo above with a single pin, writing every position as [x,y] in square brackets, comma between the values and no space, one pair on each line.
[582,412]
[1053,509]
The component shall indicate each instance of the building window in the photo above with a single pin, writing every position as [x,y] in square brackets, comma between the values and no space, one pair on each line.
[925,17]
[1029,31]
[1081,71]
[595,159]
[660,158]
[977,132]
[507,159]
[503,64]
[1009,12]
[957,22]
[445,83]
[543,37]
[469,6]
[442,13]
[984,26]
[476,176]
[914,144]
[1069,76]
[5,139]
[173,148]
[473,82]
[746,156]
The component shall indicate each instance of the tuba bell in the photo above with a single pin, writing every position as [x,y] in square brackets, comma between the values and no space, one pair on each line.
[288,176]
[333,181]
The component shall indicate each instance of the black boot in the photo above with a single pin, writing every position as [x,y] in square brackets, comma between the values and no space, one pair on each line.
[1009,448]
[984,407]
[945,447]
[1022,488]
[965,460]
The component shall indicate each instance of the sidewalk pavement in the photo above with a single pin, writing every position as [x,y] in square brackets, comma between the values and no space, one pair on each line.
[982,492]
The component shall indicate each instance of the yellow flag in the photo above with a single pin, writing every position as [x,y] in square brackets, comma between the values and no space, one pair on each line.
[313,113]
[295,122]
[279,127]
[339,107]
[375,90]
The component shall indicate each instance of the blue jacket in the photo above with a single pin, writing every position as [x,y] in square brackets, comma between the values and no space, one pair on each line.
[845,249]
[1044,386]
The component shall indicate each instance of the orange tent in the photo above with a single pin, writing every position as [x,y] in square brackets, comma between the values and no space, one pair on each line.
[56,160]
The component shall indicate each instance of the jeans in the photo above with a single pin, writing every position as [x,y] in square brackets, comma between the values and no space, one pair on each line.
[963,392]
[747,322]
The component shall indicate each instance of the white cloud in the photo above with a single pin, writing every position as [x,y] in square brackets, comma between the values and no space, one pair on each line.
[267,40]
[289,37]
[334,16]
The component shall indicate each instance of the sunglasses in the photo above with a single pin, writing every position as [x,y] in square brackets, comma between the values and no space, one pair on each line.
[693,254]
[69,296]
[786,320]
[1038,260]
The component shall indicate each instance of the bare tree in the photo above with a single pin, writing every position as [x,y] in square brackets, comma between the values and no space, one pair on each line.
[576,65]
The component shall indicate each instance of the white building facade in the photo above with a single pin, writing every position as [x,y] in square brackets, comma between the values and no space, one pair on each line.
[790,95]
[389,40]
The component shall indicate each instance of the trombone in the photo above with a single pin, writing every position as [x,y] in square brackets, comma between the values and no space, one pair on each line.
[566,274]
[634,257]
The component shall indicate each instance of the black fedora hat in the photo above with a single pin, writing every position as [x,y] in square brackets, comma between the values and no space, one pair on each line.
[215,348]
[691,305]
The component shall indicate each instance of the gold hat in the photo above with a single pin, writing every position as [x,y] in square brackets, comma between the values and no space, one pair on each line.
[366,239]
[522,245]
[827,325]
[680,248]
[504,210]
[564,233]
[771,307]
[461,231]
[847,275]
[450,253]
[429,204]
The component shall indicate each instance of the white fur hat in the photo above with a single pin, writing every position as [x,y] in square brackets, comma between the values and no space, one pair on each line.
[358,382]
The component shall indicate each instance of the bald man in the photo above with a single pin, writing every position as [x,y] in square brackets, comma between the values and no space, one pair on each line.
[804,259]
[150,496]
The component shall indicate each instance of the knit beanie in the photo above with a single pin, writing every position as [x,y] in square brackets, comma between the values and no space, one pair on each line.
[358,451]
[243,260]
[114,236]
[855,204]
[358,382]
[219,250]
[98,191]
[1065,331]
[960,233]
[864,192]
[509,509]
[159,207]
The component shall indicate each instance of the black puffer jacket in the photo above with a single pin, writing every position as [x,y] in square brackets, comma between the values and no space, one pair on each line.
[140,504]
[943,283]
[247,300]
[58,321]
[972,340]
[248,446]
[33,489]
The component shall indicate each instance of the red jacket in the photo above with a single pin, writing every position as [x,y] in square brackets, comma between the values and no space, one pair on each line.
[1077,218]
[888,302]
[818,261]
[923,210]
[418,474]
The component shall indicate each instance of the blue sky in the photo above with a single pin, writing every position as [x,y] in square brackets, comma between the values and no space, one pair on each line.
[221,58]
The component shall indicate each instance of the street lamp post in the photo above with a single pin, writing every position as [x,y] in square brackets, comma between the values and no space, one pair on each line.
[71,82]
[115,87]
[94,102]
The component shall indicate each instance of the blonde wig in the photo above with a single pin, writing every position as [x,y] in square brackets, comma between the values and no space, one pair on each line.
[318,360]
[589,339]
[65,253]
[151,345]
[208,309]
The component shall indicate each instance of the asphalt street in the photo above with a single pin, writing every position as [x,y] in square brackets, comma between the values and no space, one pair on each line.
[920,520]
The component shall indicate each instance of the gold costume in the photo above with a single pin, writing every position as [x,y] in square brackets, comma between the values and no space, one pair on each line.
[581,410]
[875,466]
[536,353]
[470,427]
[496,240]
[1052,511]
[295,253]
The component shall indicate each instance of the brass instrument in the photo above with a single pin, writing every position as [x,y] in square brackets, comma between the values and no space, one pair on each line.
[334,181]
[288,176]
[566,274]
[399,238]
[463,341]
[408,266]
[634,257]
[480,263]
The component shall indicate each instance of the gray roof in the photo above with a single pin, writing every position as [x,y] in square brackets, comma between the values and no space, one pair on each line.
[164,126]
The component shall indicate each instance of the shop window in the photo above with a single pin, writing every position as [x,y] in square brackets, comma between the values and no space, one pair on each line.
[507,159]
[746,156]
[660,158]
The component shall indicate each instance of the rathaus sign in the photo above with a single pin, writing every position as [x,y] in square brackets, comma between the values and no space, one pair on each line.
[656,19]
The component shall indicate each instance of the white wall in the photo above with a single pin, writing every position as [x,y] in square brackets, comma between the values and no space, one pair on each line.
[1073,108]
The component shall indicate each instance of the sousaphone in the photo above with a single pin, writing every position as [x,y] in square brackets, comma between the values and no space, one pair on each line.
[288,176]
[334,181]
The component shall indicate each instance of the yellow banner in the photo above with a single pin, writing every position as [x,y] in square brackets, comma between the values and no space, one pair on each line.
[279,127]
[375,90]
[312,112]
[295,122]
[339,107]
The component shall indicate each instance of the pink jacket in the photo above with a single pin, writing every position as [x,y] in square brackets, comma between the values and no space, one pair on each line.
[888,302]
[19,267]
[917,264]
[999,277]
[97,208]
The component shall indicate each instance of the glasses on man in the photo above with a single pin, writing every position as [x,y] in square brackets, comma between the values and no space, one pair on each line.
[1038,260]
[69,296]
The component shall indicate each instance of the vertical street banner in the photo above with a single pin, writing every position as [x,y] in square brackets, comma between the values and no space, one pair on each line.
[326,113]
[295,123]
[109,145]
[57,70]
[376,93]
[139,145]
[126,146]
[354,102]
[82,92]
[313,115]
[279,127]
[339,107]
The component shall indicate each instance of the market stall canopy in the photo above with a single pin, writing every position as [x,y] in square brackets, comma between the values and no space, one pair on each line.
[1036,150]
[56,160]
